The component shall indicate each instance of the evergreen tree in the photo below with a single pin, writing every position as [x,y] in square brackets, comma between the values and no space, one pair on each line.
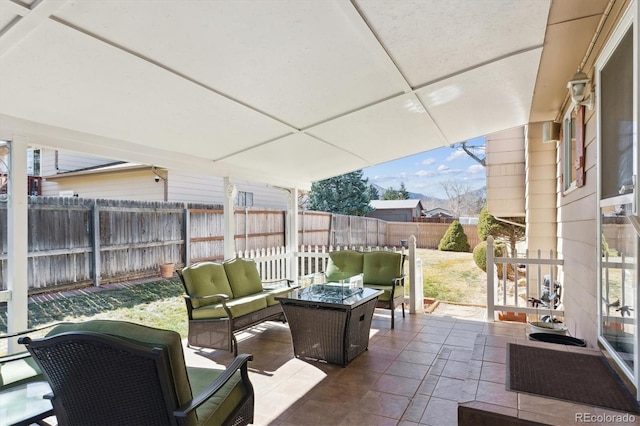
[403,194]
[396,194]
[345,194]
[454,239]
[512,231]
[373,193]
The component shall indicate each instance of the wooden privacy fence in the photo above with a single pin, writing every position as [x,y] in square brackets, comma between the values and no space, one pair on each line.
[428,235]
[76,242]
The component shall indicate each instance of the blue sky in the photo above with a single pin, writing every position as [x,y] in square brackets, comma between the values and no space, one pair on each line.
[424,173]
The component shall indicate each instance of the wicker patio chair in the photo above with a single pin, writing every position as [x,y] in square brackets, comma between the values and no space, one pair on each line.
[120,373]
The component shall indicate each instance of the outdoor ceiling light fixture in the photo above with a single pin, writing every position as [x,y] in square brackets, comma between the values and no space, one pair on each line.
[577,90]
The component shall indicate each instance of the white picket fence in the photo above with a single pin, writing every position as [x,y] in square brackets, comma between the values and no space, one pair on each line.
[274,263]
[529,270]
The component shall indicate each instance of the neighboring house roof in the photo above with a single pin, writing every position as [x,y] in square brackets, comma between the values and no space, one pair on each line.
[438,212]
[395,204]
[106,168]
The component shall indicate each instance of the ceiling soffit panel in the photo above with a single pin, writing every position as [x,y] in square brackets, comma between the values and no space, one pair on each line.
[432,39]
[401,124]
[297,156]
[565,45]
[95,88]
[300,62]
[485,100]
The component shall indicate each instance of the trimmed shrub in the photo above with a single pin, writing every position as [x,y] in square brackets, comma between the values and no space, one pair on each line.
[454,239]
[480,253]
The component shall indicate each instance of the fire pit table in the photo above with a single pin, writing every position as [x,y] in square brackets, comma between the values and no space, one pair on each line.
[330,322]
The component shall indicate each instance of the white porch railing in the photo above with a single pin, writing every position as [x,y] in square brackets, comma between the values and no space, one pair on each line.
[274,263]
[512,295]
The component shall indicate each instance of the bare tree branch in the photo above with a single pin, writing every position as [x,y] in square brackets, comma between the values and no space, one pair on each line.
[470,152]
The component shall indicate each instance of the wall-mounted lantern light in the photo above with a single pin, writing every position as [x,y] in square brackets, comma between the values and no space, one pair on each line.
[578,90]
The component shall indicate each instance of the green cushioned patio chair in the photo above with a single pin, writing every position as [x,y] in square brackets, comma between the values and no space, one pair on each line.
[384,270]
[119,373]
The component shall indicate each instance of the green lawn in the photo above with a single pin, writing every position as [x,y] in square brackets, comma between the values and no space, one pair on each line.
[448,276]
[156,304]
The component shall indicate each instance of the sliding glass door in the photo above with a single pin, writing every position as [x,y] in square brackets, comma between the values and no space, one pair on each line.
[619,223]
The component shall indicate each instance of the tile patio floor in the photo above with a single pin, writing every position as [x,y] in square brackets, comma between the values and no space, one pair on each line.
[413,375]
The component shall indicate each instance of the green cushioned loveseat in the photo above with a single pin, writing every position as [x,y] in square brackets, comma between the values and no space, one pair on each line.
[226,297]
[382,270]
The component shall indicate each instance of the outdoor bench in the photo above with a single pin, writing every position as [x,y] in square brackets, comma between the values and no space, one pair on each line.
[226,297]
[382,270]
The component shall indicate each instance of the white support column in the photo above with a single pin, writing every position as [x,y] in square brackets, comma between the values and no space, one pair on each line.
[416,287]
[291,235]
[17,249]
[229,219]
[491,293]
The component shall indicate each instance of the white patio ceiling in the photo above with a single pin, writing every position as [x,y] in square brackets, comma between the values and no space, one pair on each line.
[285,92]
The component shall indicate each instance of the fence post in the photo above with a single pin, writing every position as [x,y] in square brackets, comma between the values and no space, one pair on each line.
[186,232]
[416,288]
[97,265]
[490,284]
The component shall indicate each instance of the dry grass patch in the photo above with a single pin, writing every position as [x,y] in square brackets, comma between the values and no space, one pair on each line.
[453,277]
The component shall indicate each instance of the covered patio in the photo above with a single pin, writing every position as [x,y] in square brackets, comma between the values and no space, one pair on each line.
[285,93]
[417,373]
[288,93]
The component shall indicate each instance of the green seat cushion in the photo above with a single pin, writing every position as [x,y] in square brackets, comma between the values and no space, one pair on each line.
[18,371]
[204,279]
[238,307]
[386,295]
[344,264]
[243,277]
[220,406]
[272,294]
[381,267]
[167,340]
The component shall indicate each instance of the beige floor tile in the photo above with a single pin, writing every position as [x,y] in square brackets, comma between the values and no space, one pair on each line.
[440,412]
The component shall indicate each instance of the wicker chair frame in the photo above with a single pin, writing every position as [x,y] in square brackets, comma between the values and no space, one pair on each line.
[99,379]
[218,333]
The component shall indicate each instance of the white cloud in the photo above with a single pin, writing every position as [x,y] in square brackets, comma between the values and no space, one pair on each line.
[442,168]
[475,168]
[458,153]
[428,161]
[424,173]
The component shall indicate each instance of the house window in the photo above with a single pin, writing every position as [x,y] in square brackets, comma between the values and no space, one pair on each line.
[245,199]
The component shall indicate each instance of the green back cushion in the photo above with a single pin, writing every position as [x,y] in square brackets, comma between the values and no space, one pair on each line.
[381,267]
[344,264]
[204,279]
[243,277]
[145,336]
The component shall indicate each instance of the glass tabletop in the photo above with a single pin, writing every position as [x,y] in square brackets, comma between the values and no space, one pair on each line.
[25,402]
[334,293]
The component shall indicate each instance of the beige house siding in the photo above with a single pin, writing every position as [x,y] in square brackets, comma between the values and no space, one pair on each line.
[140,184]
[188,187]
[505,173]
[540,191]
[125,185]
[67,161]
[577,239]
